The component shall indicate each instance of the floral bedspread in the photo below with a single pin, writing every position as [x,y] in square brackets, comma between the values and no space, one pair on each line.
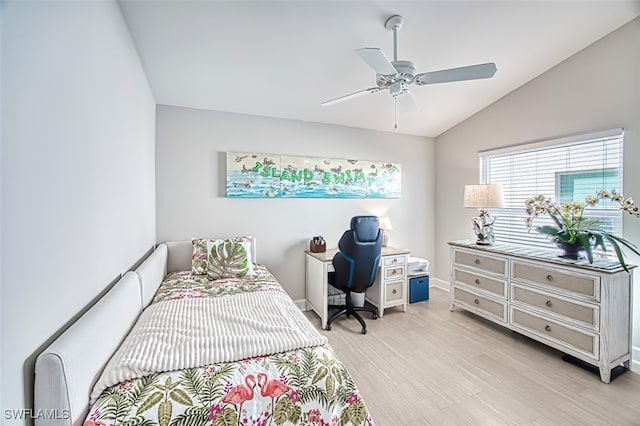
[178,285]
[307,386]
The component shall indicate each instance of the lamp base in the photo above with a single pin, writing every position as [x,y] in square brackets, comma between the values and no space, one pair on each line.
[483,228]
[385,238]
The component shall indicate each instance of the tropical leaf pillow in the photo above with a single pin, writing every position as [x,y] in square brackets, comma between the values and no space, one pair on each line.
[228,259]
[199,257]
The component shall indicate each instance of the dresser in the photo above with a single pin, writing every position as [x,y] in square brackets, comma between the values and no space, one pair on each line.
[579,308]
[389,289]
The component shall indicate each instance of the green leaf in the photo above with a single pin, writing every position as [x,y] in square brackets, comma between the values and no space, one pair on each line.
[137,421]
[181,397]
[336,373]
[193,383]
[320,374]
[615,242]
[599,241]
[193,416]
[357,413]
[228,417]
[548,230]
[164,413]
[283,411]
[330,384]
[155,398]
[227,259]
[585,242]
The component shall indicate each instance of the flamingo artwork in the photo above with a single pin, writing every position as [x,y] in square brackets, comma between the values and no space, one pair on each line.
[272,388]
[242,393]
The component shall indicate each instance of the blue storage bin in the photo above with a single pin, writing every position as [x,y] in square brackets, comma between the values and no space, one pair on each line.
[418,289]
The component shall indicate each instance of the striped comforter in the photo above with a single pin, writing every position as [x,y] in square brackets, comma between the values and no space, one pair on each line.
[192,332]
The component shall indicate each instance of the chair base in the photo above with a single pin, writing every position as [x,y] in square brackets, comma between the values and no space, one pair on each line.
[349,310]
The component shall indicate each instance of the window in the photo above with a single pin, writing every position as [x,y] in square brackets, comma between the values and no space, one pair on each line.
[565,170]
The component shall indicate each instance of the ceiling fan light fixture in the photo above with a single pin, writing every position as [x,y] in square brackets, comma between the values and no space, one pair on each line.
[396,75]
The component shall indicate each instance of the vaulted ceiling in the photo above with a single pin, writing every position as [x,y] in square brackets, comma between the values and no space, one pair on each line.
[284,58]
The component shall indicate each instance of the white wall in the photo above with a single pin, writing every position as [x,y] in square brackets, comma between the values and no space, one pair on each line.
[77,173]
[1,346]
[596,89]
[190,176]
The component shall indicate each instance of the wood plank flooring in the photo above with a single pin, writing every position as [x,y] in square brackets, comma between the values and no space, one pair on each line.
[430,366]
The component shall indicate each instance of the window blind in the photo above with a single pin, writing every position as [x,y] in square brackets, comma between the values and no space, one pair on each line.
[564,170]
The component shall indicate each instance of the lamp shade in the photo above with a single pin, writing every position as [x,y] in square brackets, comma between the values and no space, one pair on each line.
[483,196]
[385,223]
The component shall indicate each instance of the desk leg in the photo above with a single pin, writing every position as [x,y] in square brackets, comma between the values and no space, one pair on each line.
[316,288]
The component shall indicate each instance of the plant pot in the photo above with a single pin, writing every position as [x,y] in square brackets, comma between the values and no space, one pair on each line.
[570,251]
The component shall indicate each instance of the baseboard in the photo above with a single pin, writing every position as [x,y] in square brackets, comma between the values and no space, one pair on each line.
[441,284]
[634,365]
[301,304]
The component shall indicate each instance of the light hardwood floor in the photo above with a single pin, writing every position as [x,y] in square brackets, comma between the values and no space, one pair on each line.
[430,366]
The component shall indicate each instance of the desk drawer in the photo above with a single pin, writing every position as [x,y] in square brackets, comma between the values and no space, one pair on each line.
[494,265]
[585,313]
[497,287]
[486,305]
[580,284]
[395,272]
[552,330]
[394,292]
[393,260]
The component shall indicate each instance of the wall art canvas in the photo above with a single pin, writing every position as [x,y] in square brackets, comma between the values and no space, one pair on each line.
[256,175]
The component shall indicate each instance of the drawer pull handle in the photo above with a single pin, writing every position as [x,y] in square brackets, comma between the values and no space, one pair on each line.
[547,328]
[395,271]
[548,303]
[477,281]
[394,291]
[477,261]
[549,277]
[477,302]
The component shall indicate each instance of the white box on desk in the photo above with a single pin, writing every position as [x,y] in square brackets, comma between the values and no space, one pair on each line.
[417,266]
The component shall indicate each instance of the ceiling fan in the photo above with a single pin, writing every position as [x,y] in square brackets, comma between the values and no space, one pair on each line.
[396,76]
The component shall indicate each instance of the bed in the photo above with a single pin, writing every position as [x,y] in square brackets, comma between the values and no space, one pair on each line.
[166,347]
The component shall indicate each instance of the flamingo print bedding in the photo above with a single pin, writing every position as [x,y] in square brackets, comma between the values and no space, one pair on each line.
[301,386]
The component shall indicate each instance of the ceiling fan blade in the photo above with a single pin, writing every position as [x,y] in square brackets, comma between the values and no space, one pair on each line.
[407,103]
[376,59]
[350,96]
[472,72]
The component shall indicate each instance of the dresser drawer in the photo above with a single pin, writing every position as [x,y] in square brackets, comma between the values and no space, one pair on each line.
[551,330]
[395,272]
[491,307]
[394,292]
[580,284]
[482,262]
[393,260]
[480,281]
[585,313]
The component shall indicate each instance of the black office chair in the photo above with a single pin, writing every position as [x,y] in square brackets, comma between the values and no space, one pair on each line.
[356,266]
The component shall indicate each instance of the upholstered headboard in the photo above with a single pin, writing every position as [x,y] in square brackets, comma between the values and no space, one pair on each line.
[67,370]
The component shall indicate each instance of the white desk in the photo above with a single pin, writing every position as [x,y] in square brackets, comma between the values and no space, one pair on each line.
[389,289]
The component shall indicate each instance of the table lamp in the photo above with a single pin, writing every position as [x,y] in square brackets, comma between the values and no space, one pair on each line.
[385,225]
[483,197]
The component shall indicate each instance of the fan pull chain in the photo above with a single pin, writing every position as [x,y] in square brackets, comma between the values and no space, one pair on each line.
[395,112]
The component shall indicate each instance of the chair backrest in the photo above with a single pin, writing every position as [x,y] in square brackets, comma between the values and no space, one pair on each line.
[356,264]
